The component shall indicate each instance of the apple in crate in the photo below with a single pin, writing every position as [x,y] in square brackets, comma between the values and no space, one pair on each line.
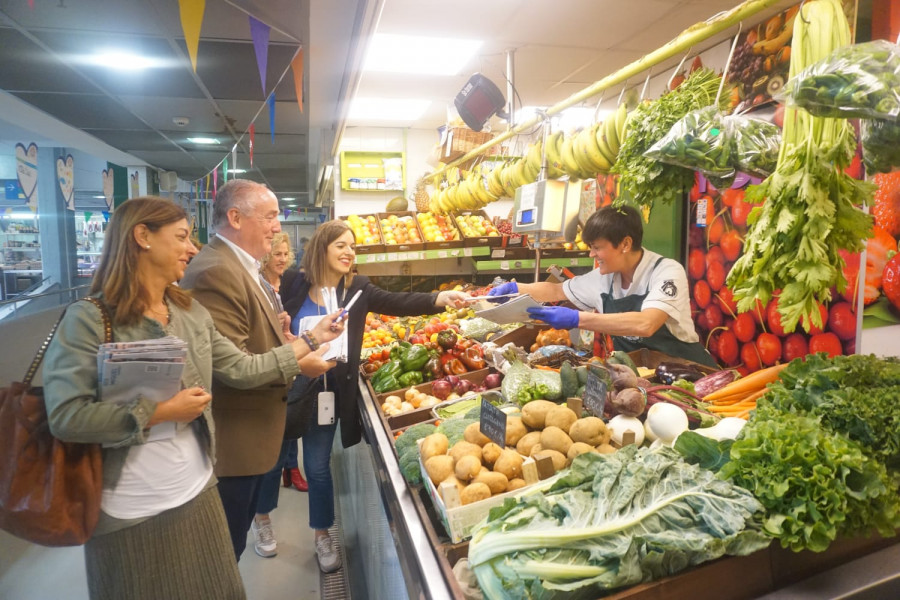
[475,225]
[399,230]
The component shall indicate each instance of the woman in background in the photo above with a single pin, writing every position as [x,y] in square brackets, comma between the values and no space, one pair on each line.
[162,530]
[272,267]
[328,262]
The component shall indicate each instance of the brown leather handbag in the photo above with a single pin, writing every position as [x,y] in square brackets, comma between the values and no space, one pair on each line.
[49,490]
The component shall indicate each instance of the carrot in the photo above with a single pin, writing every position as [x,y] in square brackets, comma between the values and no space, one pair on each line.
[738,398]
[545,368]
[751,383]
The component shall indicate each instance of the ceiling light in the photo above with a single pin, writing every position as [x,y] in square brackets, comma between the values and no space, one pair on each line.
[101,196]
[388,109]
[288,199]
[122,61]
[202,140]
[237,171]
[419,54]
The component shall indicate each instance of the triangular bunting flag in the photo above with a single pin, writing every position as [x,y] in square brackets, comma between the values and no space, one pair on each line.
[191,20]
[259,31]
[215,181]
[287,213]
[297,67]
[225,171]
[271,103]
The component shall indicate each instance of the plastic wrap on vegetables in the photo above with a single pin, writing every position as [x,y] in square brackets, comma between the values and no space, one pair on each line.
[548,382]
[756,144]
[502,357]
[861,81]
[698,141]
[880,144]
[478,328]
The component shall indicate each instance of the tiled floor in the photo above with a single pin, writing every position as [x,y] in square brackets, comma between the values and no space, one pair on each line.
[29,572]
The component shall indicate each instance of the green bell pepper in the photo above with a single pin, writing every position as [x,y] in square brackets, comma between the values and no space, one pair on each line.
[414,358]
[386,384]
[392,368]
[410,378]
[398,350]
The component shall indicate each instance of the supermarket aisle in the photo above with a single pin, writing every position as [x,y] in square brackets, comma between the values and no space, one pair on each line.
[29,572]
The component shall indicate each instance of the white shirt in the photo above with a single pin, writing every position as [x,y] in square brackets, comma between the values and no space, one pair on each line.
[158,476]
[665,286]
[250,264]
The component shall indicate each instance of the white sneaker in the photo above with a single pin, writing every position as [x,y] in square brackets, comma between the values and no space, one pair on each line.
[329,558]
[265,545]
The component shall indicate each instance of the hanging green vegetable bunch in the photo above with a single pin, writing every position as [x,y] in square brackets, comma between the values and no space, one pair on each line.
[810,210]
[643,179]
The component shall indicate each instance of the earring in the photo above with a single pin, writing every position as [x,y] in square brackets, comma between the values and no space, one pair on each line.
[148,246]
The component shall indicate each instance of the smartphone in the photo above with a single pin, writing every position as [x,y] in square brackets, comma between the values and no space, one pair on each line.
[326,408]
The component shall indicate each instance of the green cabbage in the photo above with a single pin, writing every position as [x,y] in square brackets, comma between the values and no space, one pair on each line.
[612,521]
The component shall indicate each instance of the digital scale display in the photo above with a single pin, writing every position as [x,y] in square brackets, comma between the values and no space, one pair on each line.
[526,217]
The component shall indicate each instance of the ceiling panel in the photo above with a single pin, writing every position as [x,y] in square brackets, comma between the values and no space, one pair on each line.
[230,71]
[132,141]
[84,111]
[33,69]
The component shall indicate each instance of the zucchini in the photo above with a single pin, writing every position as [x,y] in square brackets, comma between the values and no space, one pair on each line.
[581,371]
[568,380]
[621,358]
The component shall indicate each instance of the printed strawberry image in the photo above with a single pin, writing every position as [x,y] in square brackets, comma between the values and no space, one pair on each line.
[887,202]
[891,280]
[877,249]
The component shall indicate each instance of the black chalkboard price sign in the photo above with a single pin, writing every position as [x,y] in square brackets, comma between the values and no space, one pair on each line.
[594,394]
[493,423]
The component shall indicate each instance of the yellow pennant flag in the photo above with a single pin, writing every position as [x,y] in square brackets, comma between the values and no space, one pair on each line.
[297,66]
[191,20]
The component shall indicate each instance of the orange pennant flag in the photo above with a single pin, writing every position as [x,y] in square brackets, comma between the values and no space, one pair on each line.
[191,20]
[297,67]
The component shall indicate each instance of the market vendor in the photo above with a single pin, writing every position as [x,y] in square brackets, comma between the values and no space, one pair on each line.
[638,297]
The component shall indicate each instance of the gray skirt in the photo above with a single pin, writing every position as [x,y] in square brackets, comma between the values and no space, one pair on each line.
[182,553]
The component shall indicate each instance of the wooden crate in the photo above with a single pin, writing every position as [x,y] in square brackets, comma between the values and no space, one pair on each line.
[375,248]
[405,247]
[482,240]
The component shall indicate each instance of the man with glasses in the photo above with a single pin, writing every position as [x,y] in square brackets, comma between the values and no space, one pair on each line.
[224,278]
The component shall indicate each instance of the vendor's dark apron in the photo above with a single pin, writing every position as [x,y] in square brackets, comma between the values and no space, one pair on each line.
[661,341]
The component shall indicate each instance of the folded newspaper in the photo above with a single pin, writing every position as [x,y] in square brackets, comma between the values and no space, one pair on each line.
[148,368]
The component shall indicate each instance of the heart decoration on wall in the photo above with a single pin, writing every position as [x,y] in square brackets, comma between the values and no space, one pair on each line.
[65,173]
[108,187]
[26,171]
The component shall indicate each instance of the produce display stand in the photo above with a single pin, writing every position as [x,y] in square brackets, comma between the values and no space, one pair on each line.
[426,555]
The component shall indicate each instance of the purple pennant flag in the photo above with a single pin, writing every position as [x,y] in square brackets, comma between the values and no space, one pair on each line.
[259,31]
[287,213]
[271,103]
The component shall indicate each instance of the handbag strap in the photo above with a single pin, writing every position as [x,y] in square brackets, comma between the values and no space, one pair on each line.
[39,356]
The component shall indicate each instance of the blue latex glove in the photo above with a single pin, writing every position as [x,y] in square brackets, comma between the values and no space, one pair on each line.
[558,317]
[503,289]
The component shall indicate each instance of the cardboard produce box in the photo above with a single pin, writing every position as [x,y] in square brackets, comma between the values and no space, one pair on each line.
[459,521]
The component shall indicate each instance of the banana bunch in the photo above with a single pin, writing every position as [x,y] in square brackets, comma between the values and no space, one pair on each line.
[591,151]
[464,191]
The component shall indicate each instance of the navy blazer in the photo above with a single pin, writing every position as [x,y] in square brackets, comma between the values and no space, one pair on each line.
[294,291]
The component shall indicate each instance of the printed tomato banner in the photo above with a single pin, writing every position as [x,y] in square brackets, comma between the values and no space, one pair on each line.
[881,293]
[754,339]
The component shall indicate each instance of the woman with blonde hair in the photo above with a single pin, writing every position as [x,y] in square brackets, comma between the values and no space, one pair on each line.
[287,469]
[328,262]
[162,530]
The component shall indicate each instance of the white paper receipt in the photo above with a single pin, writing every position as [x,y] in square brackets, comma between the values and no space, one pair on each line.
[514,311]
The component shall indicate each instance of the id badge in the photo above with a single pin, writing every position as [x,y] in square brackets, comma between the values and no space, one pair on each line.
[326,408]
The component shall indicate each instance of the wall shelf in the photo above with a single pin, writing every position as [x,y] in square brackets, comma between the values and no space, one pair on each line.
[368,167]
